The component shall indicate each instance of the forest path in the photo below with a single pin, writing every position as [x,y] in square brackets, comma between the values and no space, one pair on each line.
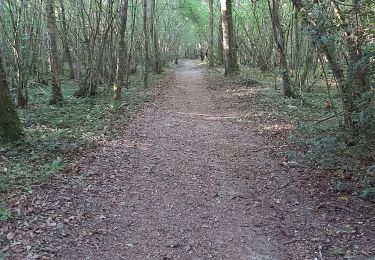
[184,182]
[180,185]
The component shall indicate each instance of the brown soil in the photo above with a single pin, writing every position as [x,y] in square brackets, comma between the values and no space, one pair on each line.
[185,181]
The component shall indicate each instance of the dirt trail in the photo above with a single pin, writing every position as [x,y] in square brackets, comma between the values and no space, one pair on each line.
[185,182]
[180,193]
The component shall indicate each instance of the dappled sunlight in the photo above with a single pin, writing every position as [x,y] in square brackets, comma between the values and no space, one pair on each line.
[209,116]
[43,128]
[186,129]
[242,92]
[253,114]
[279,127]
[125,143]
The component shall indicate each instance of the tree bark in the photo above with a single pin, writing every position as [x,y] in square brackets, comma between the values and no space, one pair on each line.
[121,68]
[230,50]
[155,39]
[220,48]
[132,65]
[15,14]
[10,125]
[211,61]
[64,39]
[344,83]
[146,49]
[53,54]
[278,34]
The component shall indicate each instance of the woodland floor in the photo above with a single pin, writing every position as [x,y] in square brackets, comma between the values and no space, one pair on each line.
[188,179]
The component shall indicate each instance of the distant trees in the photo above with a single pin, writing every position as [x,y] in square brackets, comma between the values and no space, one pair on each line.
[92,43]
[54,42]
[20,35]
[83,42]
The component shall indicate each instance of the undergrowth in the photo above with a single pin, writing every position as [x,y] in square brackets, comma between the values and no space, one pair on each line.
[54,135]
[318,137]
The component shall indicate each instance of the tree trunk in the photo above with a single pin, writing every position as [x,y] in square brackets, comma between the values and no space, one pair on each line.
[53,54]
[19,59]
[145,33]
[132,65]
[306,68]
[220,48]
[280,43]
[344,80]
[121,70]
[211,62]
[154,33]
[65,41]
[10,125]
[230,51]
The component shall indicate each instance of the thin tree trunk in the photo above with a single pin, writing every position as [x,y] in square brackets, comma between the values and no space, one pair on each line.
[10,125]
[280,43]
[131,58]
[145,33]
[154,33]
[230,51]
[121,70]
[211,62]
[306,68]
[15,16]
[65,41]
[53,54]
[337,71]
[220,47]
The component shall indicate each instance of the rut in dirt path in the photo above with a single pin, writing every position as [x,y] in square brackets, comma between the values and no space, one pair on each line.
[179,193]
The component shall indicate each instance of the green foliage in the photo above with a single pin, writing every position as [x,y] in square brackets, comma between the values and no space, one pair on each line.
[365,120]
[326,150]
[195,11]
[62,132]
[369,193]
[5,213]
[56,165]
[319,138]
[185,23]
